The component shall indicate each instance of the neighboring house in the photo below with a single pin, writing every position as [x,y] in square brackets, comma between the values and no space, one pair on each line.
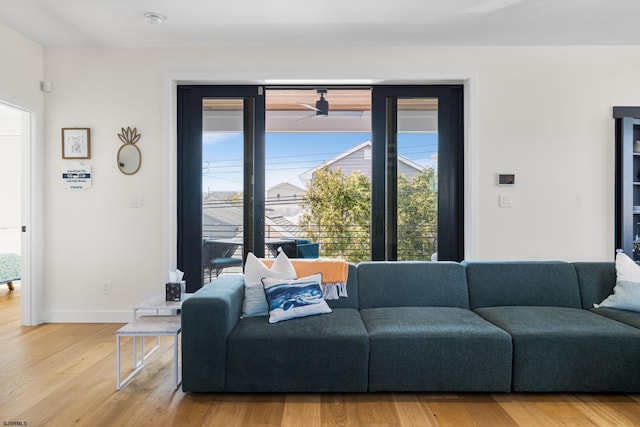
[284,191]
[284,199]
[222,218]
[359,158]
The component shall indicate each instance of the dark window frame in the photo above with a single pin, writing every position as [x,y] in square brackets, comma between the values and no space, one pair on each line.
[384,170]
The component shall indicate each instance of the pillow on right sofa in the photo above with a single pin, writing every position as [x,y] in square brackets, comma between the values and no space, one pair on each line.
[626,293]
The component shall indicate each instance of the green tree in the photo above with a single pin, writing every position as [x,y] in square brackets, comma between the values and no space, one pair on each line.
[417,216]
[336,212]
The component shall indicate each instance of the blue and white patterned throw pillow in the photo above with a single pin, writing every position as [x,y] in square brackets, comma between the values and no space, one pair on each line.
[255,303]
[289,299]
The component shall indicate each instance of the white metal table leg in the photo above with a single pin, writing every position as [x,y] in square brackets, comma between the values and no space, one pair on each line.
[175,359]
[117,362]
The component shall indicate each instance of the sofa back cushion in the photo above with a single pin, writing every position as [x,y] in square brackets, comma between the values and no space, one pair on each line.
[412,284]
[523,283]
[597,280]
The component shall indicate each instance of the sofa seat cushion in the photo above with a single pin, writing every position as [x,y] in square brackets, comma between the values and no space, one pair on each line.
[625,316]
[436,349]
[309,354]
[569,350]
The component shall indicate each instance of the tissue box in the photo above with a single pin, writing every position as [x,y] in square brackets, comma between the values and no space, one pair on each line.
[173,291]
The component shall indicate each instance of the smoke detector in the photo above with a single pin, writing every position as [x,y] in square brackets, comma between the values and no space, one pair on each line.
[154,18]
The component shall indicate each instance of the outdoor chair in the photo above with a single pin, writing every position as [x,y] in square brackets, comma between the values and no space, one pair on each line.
[218,255]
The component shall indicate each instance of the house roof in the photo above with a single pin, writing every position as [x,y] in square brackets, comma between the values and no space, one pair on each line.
[287,185]
[308,175]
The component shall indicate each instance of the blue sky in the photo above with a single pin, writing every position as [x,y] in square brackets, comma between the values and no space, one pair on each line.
[290,154]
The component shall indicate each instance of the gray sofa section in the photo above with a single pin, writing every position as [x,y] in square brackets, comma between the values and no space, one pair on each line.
[222,352]
[422,335]
[557,345]
[423,326]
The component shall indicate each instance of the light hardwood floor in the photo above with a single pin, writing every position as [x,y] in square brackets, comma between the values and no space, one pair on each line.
[64,374]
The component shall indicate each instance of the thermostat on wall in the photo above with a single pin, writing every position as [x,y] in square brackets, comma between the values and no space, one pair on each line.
[506,179]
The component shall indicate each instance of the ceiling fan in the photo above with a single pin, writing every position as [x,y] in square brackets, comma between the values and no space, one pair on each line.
[321,108]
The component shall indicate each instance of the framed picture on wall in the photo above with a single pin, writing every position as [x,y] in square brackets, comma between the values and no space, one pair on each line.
[76,143]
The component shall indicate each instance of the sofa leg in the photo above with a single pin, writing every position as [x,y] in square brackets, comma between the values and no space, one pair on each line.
[10,285]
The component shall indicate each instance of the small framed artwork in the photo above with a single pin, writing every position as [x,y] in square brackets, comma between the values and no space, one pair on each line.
[76,143]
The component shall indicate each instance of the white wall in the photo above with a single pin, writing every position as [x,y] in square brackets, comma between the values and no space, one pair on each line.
[541,113]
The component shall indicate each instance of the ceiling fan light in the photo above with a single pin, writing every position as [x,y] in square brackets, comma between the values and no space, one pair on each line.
[322,107]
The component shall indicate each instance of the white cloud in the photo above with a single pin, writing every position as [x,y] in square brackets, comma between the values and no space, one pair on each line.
[217,137]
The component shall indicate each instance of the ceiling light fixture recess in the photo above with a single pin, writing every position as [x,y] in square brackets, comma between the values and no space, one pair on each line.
[154,18]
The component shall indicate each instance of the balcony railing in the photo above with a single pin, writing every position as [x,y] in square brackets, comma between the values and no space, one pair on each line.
[353,245]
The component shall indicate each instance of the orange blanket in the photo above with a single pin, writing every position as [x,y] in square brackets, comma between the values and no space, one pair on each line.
[333,270]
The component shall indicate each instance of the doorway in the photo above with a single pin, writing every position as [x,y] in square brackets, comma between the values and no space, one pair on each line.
[10,198]
[17,217]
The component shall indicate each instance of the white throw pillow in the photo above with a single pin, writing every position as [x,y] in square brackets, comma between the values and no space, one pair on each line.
[289,299]
[626,293]
[255,302]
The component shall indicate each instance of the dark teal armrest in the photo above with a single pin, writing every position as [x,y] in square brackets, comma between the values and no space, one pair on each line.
[207,318]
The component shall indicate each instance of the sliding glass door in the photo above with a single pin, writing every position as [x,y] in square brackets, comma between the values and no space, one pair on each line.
[220,168]
[376,175]
[417,189]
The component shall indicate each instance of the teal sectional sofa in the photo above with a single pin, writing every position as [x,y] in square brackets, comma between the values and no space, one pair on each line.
[423,326]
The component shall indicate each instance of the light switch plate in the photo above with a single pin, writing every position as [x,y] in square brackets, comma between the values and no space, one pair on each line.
[135,201]
[506,201]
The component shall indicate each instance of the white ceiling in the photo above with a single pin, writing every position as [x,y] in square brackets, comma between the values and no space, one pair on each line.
[350,23]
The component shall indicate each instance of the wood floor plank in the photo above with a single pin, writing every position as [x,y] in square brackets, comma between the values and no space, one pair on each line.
[561,409]
[609,410]
[302,409]
[411,413]
[449,411]
[64,374]
[339,409]
[374,409]
[524,411]
[264,409]
[227,410]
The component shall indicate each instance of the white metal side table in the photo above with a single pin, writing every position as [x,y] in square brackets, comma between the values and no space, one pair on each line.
[157,306]
[148,326]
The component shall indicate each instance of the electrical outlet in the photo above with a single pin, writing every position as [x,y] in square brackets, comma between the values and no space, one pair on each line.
[106,288]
